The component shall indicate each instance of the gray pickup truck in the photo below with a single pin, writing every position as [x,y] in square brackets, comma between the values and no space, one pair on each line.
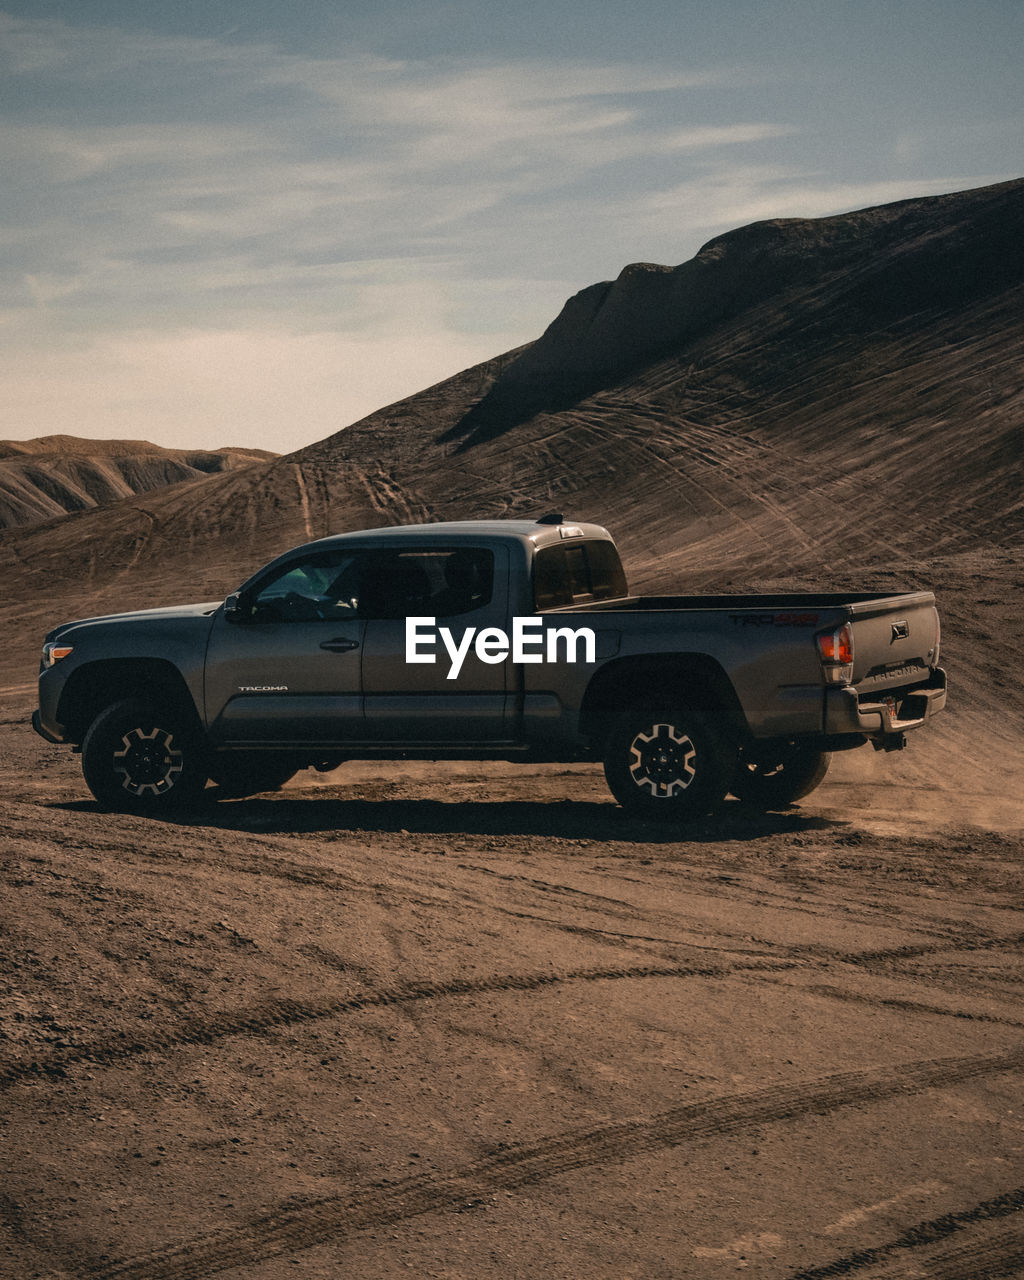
[499,639]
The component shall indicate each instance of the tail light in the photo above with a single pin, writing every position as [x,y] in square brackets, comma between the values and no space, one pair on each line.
[836,651]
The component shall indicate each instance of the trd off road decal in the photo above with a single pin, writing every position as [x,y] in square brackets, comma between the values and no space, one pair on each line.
[773,619]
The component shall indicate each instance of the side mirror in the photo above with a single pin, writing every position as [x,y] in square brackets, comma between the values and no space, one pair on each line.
[235,609]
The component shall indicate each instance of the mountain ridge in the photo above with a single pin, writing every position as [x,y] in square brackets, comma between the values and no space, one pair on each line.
[52,476]
[891,256]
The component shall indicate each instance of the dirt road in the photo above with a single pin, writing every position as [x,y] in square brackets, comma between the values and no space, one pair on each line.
[471,1021]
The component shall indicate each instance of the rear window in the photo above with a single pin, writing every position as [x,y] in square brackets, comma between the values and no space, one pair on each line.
[577,573]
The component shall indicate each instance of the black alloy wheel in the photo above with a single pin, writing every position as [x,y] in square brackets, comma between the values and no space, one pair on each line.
[667,762]
[137,758]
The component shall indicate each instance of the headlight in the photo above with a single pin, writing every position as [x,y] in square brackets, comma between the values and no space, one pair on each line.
[53,651]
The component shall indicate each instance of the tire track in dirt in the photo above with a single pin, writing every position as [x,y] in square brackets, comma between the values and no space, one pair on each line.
[999,1258]
[334,1219]
[141,540]
[620,908]
[888,962]
[260,863]
[824,902]
[907,1006]
[912,951]
[998,1255]
[885,959]
[261,1019]
[300,481]
[267,863]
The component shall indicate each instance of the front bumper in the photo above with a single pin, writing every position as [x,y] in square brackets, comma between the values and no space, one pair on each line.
[883,715]
[40,728]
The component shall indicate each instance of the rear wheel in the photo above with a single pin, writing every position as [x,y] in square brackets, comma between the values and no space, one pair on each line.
[246,773]
[772,775]
[140,758]
[667,761]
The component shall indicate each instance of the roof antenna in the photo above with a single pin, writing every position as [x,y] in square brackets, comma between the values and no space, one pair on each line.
[553,517]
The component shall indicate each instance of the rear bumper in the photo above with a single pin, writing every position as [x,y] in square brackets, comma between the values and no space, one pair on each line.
[878,716]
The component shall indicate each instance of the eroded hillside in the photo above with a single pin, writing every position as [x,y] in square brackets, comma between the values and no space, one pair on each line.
[54,476]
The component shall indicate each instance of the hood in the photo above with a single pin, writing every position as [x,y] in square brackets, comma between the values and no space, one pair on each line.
[182,611]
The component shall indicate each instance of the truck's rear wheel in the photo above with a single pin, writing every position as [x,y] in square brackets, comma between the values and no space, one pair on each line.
[775,774]
[666,761]
[139,758]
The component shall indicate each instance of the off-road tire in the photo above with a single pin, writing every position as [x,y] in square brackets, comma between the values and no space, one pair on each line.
[141,758]
[667,761]
[775,775]
[238,774]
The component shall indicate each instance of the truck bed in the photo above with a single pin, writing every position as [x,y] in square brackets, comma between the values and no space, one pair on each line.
[861,603]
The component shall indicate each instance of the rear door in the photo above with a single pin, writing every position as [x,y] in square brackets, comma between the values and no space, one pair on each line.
[462,587]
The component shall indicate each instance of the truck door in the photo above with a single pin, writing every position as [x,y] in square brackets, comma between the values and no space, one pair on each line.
[462,587]
[288,672]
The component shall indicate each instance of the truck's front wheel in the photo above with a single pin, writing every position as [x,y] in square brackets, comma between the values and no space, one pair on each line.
[775,774]
[139,758]
[667,762]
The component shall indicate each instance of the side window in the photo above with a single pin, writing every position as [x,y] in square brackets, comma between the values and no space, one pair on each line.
[576,573]
[464,581]
[321,587]
[607,579]
[440,582]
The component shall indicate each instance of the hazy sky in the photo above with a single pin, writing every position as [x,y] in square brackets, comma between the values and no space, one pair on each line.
[254,221]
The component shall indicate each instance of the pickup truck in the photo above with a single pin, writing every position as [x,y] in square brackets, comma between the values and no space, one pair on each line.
[495,639]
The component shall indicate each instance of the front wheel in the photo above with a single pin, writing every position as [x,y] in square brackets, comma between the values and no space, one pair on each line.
[666,761]
[138,758]
[773,775]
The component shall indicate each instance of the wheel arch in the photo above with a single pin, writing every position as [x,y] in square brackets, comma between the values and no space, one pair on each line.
[695,679]
[98,684]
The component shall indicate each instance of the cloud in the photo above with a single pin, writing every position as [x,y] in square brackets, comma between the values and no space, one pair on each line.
[228,142]
[173,184]
[199,233]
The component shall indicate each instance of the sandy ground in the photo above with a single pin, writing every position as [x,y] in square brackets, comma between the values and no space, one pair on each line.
[471,1021]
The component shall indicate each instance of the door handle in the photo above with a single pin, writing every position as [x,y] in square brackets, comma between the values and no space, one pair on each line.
[340,645]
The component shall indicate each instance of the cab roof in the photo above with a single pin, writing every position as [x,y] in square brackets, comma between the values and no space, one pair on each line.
[536,532]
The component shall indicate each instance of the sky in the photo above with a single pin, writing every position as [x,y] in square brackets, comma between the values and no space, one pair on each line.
[252,222]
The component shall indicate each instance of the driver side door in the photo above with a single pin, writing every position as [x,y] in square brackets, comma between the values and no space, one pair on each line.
[288,672]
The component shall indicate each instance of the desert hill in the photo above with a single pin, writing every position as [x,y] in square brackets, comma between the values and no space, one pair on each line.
[881,267]
[52,476]
[828,402]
